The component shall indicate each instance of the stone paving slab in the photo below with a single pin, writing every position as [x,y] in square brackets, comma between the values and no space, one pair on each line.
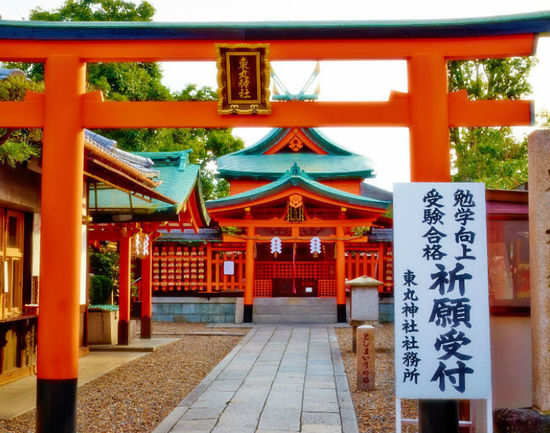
[278,379]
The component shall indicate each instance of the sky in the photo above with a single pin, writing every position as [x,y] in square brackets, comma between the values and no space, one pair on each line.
[387,148]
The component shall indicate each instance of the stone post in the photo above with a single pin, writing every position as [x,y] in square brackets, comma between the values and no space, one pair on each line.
[366,355]
[364,298]
[364,303]
[539,257]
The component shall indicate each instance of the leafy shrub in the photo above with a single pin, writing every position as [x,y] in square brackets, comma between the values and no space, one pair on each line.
[101,288]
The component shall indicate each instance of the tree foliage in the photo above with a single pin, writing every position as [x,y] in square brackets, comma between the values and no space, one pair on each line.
[142,81]
[18,145]
[490,155]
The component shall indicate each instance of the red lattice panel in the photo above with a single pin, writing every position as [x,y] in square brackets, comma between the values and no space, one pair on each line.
[326,288]
[306,270]
[263,288]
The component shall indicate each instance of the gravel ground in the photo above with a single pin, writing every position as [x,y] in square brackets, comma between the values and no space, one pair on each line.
[137,396]
[375,409]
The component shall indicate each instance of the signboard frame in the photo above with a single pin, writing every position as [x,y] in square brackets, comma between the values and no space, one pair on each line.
[254,94]
[461,262]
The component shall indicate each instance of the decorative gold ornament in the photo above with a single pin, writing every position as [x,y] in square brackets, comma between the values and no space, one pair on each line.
[295,209]
[243,79]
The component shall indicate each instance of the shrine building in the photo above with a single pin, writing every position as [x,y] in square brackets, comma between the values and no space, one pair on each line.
[295,225]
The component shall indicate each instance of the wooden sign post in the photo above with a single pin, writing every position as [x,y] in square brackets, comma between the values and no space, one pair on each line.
[442,347]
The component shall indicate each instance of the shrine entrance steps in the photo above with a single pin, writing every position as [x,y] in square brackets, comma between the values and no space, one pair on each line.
[294,310]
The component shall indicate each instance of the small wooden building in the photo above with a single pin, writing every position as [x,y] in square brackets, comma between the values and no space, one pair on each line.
[295,225]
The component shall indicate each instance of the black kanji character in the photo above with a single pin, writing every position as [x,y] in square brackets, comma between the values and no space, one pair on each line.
[409,309]
[434,236]
[432,197]
[433,252]
[462,370]
[452,312]
[465,251]
[451,342]
[410,326]
[433,216]
[410,295]
[440,279]
[463,215]
[464,235]
[411,359]
[408,278]
[411,375]
[464,198]
[454,276]
[409,343]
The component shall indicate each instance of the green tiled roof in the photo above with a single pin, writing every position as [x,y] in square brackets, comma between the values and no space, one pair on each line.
[252,163]
[178,179]
[295,176]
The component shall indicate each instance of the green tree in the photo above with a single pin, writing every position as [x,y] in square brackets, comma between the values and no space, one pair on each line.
[18,145]
[142,82]
[490,155]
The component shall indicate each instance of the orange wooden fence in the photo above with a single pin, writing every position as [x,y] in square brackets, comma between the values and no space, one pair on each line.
[208,269]
[373,260]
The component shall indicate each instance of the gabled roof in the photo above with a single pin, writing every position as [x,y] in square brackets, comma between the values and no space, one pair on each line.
[293,177]
[535,22]
[372,191]
[277,134]
[179,180]
[252,162]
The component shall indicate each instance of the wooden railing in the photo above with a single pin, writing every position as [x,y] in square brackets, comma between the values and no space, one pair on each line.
[202,269]
[375,260]
[221,268]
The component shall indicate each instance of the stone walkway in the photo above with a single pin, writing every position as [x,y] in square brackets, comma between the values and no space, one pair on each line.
[279,379]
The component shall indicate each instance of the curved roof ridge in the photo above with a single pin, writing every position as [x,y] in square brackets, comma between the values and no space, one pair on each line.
[532,22]
[273,137]
[295,176]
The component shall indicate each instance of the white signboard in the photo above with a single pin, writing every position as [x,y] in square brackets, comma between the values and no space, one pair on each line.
[228,267]
[442,348]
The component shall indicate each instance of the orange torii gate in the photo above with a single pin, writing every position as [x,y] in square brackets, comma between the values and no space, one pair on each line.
[65,108]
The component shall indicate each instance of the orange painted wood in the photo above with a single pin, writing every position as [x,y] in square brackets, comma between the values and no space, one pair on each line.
[249,270]
[349,49]
[26,114]
[241,185]
[297,190]
[217,264]
[277,222]
[340,268]
[209,287]
[61,220]
[349,185]
[380,266]
[430,157]
[124,279]
[146,284]
[463,112]
[190,114]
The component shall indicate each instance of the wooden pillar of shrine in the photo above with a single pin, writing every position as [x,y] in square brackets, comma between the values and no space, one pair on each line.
[125,259]
[249,278]
[340,275]
[147,291]
[430,153]
[61,240]
[430,162]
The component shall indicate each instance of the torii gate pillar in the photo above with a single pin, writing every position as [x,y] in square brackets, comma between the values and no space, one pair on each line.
[60,249]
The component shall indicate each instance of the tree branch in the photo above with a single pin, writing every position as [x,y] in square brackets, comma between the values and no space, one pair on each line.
[7,135]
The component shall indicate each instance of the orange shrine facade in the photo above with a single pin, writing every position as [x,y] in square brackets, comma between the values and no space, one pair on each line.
[297,223]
